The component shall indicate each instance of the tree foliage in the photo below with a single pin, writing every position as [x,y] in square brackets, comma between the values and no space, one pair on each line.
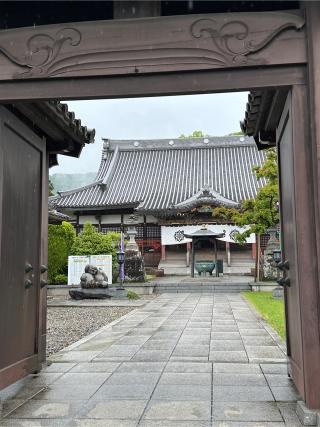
[60,240]
[260,213]
[91,242]
[195,134]
[238,132]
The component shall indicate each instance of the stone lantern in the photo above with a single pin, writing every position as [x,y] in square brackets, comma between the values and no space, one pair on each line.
[270,271]
[134,262]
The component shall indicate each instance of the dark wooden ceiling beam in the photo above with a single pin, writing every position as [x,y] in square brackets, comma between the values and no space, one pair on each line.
[136,9]
[192,82]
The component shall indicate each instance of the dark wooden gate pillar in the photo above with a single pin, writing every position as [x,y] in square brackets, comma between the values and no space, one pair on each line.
[310,230]
[307,228]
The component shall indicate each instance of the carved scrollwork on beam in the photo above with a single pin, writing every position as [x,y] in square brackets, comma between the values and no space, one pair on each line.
[43,49]
[234,41]
[148,46]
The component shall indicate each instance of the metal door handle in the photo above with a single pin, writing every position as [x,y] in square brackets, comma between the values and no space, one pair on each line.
[28,284]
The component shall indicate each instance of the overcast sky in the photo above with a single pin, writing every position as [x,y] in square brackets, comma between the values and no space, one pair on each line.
[148,118]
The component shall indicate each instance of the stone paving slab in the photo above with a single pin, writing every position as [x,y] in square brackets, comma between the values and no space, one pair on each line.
[182,360]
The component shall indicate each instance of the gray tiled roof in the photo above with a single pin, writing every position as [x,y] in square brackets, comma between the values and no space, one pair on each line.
[158,174]
[57,217]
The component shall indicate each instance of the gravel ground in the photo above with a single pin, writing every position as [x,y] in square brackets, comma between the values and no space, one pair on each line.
[66,325]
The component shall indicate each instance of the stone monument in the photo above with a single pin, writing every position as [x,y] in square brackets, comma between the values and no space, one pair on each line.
[134,263]
[94,284]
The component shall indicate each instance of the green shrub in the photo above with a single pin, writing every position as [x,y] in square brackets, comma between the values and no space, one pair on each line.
[132,295]
[60,240]
[91,242]
[61,278]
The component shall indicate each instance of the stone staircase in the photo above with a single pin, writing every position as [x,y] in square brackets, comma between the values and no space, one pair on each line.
[181,270]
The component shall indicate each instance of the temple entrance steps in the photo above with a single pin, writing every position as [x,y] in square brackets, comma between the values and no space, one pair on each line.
[176,268]
[176,261]
[178,284]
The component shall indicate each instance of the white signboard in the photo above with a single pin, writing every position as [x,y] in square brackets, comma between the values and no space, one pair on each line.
[76,266]
[105,263]
[175,235]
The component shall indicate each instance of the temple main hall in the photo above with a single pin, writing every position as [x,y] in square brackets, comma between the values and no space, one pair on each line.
[168,188]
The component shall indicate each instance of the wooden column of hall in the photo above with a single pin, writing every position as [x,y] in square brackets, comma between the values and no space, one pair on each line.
[192,257]
[216,257]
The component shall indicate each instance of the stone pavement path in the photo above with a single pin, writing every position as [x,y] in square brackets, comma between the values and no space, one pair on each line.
[183,360]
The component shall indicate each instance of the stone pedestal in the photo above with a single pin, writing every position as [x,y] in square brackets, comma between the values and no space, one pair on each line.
[90,293]
[98,293]
[118,293]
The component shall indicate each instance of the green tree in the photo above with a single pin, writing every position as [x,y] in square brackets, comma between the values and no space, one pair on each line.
[260,213]
[238,132]
[195,134]
[91,242]
[60,240]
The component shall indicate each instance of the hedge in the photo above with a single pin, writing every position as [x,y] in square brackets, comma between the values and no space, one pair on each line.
[60,241]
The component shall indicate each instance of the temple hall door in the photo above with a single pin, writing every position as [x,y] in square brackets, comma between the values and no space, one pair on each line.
[21,163]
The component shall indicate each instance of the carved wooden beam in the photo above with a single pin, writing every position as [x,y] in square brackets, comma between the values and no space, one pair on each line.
[149,45]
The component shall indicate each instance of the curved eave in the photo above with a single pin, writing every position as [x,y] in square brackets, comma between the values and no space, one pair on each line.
[205,197]
[262,115]
[65,134]
[204,202]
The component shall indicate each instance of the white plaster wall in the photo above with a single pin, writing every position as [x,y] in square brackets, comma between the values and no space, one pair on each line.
[111,219]
[151,219]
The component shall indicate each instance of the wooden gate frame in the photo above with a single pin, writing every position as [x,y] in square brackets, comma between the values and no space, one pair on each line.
[185,55]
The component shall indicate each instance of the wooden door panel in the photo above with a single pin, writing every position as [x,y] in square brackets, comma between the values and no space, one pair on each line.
[289,244]
[21,155]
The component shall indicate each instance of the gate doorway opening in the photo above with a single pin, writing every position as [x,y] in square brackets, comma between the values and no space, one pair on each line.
[100,218]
